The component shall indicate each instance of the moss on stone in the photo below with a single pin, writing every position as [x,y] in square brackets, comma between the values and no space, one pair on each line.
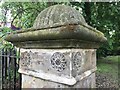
[58,22]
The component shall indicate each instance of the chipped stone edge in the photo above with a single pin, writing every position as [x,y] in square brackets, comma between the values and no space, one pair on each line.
[50,77]
[55,78]
[85,74]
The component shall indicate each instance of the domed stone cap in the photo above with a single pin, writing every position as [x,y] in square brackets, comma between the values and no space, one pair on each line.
[58,26]
[58,15]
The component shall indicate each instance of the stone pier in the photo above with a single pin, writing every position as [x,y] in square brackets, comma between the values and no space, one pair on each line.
[59,51]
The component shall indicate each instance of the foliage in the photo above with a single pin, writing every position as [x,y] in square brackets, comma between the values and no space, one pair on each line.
[23,13]
[103,16]
[4,44]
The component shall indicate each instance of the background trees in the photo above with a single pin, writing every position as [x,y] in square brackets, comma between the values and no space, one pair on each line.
[103,16]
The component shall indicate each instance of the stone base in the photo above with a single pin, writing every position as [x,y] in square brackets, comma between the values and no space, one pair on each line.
[58,68]
[32,82]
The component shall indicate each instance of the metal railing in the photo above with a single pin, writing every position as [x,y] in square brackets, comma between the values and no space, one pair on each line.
[11,79]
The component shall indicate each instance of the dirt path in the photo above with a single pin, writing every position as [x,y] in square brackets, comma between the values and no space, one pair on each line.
[105,81]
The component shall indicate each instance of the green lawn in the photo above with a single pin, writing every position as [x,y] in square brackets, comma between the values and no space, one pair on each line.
[109,67]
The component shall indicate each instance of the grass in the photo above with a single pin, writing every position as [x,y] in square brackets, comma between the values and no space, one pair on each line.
[109,67]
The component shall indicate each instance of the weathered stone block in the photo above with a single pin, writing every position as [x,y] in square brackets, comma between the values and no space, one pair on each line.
[33,82]
[66,66]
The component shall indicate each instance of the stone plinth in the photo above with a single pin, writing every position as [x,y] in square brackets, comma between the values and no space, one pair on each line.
[56,68]
[59,51]
[32,82]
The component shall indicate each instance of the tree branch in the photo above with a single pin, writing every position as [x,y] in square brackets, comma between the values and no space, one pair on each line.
[21,11]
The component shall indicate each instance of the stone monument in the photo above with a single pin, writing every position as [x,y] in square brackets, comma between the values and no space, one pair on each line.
[59,51]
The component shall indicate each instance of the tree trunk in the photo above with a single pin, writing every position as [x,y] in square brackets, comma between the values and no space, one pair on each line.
[87,6]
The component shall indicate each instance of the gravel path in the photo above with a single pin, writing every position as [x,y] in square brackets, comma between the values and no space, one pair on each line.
[105,81]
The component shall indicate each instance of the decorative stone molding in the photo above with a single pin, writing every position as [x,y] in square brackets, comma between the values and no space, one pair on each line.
[67,66]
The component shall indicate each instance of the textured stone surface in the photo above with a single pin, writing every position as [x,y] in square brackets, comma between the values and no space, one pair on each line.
[32,82]
[57,44]
[58,15]
[66,66]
